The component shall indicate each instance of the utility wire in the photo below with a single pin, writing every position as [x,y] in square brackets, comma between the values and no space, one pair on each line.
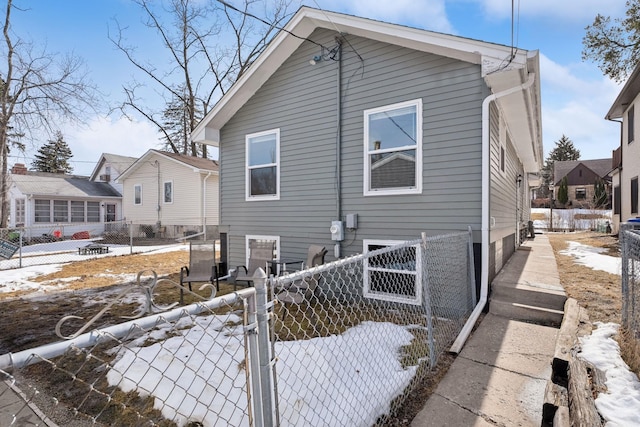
[225,4]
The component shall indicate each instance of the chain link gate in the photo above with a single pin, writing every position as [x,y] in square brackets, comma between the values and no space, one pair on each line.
[179,367]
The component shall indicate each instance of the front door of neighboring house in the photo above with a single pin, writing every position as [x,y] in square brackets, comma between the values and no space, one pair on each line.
[110,213]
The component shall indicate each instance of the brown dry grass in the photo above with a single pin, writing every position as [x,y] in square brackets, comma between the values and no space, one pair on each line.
[102,272]
[597,291]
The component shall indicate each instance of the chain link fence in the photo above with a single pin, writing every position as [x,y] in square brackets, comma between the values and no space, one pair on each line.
[352,338]
[176,368]
[344,343]
[61,243]
[630,248]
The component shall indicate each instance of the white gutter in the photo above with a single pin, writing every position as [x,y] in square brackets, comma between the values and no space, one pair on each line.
[486,180]
[204,205]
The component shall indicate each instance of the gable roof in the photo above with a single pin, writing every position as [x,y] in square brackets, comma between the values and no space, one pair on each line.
[64,186]
[629,92]
[197,164]
[600,167]
[521,108]
[122,162]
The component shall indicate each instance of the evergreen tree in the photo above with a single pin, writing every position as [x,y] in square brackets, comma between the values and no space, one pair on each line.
[53,156]
[563,191]
[563,151]
[600,197]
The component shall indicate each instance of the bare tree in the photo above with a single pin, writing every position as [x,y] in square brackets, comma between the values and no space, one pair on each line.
[38,89]
[209,45]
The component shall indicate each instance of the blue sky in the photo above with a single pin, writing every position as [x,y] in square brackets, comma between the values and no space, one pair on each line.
[575,95]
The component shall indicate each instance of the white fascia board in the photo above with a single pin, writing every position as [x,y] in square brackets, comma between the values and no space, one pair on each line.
[279,49]
[490,56]
[133,166]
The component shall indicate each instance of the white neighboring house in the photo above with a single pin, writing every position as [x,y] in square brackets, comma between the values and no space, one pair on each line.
[171,195]
[58,205]
[626,159]
[108,169]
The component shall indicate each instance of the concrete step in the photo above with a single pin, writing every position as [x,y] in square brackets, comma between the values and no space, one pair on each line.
[547,297]
[526,313]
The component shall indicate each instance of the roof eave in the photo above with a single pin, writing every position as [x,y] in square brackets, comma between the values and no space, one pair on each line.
[522,109]
[488,55]
[629,92]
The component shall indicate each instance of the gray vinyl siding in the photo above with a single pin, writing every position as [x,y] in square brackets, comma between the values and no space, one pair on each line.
[300,99]
[503,194]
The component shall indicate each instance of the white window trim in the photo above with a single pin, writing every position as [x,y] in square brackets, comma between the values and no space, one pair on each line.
[260,237]
[367,191]
[36,211]
[247,184]
[164,201]
[368,293]
[134,194]
[20,215]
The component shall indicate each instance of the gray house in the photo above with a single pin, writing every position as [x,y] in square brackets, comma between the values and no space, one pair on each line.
[352,133]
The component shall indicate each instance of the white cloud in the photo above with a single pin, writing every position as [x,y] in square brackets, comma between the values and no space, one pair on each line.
[430,15]
[107,135]
[575,106]
[568,10]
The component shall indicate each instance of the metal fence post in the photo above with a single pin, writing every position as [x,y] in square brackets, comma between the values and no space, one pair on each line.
[253,342]
[264,346]
[131,238]
[433,357]
[20,250]
[624,229]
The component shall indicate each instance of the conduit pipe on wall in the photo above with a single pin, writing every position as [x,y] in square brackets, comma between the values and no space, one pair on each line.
[486,180]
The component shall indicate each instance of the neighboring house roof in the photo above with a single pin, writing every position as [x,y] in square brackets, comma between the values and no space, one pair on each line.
[600,167]
[521,107]
[629,92]
[122,162]
[198,164]
[58,185]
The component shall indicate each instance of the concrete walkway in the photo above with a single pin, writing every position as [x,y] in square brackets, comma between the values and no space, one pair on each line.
[16,411]
[500,377]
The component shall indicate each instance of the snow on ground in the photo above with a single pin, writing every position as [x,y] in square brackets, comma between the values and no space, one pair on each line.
[46,258]
[593,258]
[338,365]
[619,404]
[67,251]
[19,279]
[564,219]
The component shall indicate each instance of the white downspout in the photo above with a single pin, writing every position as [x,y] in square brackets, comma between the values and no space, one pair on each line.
[486,181]
[204,205]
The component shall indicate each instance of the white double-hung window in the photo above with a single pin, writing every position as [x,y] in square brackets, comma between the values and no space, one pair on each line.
[263,165]
[393,149]
[394,275]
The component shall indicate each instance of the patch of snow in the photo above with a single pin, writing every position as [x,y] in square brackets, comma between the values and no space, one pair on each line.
[593,258]
[354,366]
[19,279]
[619,404]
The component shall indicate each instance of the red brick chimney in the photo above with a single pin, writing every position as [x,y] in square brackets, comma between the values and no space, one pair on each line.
[19,169]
